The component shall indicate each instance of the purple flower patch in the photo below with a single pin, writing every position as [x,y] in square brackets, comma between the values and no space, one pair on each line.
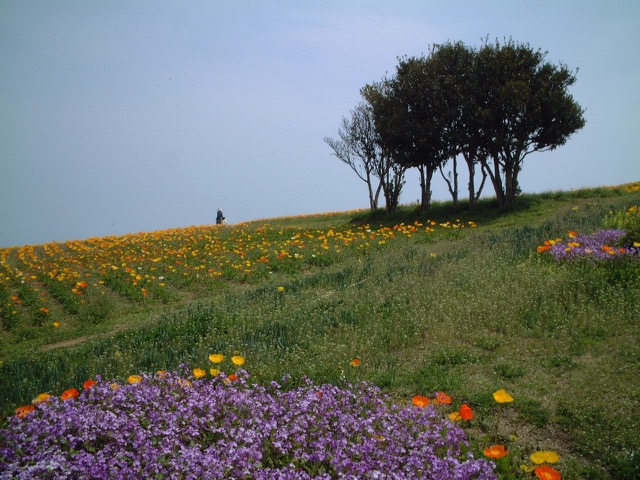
[600,245]
[167,427]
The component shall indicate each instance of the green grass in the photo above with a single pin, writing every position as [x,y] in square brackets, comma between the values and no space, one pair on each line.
[466,311]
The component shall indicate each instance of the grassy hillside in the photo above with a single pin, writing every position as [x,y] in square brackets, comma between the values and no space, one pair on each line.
[460,302]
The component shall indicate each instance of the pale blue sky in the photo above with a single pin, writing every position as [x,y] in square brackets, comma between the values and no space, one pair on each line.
[125,116]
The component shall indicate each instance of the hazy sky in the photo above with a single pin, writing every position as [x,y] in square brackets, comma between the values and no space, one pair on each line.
[126,116]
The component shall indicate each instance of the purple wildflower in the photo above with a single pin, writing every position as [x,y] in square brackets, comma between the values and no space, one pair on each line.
[165,427]
[600,245]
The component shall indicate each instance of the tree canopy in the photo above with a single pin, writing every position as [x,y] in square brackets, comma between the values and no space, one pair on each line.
[524,107]
[493,105]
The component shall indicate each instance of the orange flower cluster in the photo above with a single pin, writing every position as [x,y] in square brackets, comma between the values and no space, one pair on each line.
[24,410]
[440,398]
[496,452]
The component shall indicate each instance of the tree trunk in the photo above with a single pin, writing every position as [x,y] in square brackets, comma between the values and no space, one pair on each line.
[373,196]
[496,179]
[511,180]
[376,197]
[392,186]
[452,183]
[510,193]
[471,166]
[426,175]
[479,192]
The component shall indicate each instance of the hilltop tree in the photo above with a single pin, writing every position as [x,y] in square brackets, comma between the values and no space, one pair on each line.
[452,65]
[390,171]
[523,106]
[359,147]
[408,117]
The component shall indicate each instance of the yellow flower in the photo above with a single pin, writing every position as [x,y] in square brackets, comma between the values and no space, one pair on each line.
[184,383]
[216,358]
[501,396]
[281,289]
[214,372]
[545,457]
[455,416]
[56,324]
[237,360]
[134,379]
[527,468]
[199,373]
[43,397]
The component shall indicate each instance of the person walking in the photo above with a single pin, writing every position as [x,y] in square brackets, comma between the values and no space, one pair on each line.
[220,218]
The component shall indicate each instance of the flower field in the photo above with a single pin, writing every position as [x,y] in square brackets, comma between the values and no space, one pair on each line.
[39,285]
[405,347]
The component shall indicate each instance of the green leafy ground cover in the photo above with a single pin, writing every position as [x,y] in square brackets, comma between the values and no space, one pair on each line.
[459,302]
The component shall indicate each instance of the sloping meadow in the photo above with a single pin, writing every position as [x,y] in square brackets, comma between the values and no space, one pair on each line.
[464,306]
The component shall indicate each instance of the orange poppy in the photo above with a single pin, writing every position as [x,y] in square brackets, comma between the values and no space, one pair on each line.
[88,384]
[496,451]
[355,362]
[420,401]
[69,394]
[465,412]
[25,410]
[443,398]
[545,472]
[233,377]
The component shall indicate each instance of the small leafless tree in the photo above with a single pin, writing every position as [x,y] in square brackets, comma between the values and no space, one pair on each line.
[359,148]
